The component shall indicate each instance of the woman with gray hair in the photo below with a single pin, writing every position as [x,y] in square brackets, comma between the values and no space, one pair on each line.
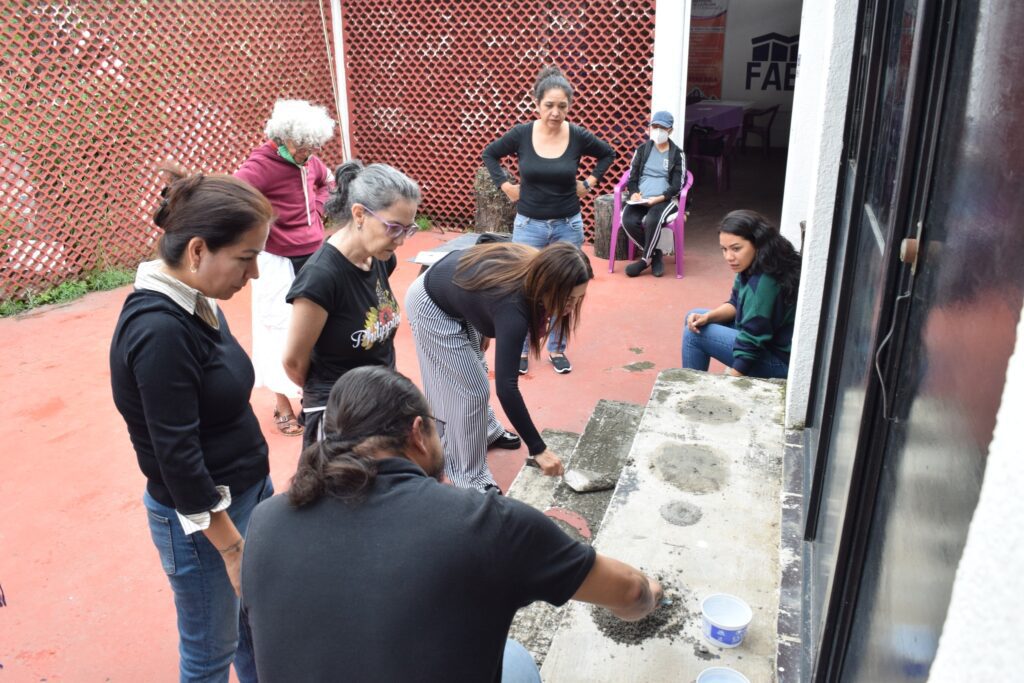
[287,172]
[344,312]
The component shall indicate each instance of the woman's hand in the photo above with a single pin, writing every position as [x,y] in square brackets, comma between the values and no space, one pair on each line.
[581,191]
[550,464]
[511,191]
[485,343]
[696,321]
[636,197]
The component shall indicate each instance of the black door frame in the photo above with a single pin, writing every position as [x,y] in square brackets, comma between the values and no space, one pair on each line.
[933,40]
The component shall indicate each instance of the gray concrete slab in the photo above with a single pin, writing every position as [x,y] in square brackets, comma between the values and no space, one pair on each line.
[698,504]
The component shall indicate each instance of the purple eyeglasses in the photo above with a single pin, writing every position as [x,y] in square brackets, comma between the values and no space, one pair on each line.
[395,230]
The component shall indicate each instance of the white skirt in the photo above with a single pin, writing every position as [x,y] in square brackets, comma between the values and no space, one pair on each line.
[271,315]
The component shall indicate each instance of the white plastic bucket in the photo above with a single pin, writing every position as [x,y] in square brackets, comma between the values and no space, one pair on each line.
[721,674]
[725,619]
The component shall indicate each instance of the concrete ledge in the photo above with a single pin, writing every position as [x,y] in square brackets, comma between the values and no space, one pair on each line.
[698,504]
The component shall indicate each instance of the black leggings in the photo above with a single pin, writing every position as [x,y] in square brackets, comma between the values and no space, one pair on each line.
[643,224]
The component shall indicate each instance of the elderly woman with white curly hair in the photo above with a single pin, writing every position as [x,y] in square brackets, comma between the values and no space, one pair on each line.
[287,172]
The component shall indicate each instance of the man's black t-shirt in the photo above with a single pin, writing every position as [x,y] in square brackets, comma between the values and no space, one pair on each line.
[362,316]
[418,582]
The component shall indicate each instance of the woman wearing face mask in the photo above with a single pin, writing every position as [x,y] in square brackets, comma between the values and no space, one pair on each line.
[752,332]
[655,179]
[288,173]
[344,313]
[548,198]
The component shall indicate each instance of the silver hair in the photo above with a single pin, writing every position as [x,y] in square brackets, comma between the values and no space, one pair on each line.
[300,122]
[377,187]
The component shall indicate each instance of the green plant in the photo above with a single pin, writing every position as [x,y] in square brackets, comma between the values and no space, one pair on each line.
[95,281]
[424,222]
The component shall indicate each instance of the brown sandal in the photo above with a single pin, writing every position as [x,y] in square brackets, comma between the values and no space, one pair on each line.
[287,424]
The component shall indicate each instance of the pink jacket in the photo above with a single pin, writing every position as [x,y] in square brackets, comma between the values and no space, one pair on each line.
[297,194]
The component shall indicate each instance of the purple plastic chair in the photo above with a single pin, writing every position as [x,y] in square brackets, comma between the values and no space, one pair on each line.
[676,222]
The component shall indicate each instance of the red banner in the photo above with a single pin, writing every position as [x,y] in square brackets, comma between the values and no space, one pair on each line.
[707,48]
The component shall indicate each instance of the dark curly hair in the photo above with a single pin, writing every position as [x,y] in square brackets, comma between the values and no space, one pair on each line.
[775,254]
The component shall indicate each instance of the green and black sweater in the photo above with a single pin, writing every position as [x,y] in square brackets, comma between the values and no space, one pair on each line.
[764,320]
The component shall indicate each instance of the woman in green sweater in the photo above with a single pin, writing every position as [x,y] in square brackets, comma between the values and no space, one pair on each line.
[752,332]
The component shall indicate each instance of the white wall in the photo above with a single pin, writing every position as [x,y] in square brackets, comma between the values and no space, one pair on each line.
[748,19]
[981,638]
[819,116]
[671,49]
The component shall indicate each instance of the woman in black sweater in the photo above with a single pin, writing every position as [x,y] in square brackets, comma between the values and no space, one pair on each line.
[548,197]
[508,292]
[182,383]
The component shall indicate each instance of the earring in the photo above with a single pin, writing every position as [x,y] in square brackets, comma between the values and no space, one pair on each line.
[193,268]
[359,226]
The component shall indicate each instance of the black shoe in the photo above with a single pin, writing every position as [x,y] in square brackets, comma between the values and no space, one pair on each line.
[524,365]
[508,440]
[561,363]
[492,487]
[657,264]
[636,267]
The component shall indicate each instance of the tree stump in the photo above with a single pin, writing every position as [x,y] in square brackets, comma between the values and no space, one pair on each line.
[603,208]
[494,211]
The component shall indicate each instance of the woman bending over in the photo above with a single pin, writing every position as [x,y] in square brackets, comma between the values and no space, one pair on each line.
[508,292]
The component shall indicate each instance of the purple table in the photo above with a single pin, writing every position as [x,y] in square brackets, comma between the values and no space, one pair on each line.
[714,115]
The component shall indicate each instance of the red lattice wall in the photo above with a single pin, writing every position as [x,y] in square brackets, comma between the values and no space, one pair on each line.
[94,95]
[431,83]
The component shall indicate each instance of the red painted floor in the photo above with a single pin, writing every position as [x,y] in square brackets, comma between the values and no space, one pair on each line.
[86,597]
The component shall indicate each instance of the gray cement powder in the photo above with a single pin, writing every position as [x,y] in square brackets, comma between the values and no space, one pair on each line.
[665,622]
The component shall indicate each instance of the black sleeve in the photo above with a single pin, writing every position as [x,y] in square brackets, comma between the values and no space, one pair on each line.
[592,146]
[166,363]
[506,145]
[633,185]
[316,283]
[542,562]
[510,330]
[675,179]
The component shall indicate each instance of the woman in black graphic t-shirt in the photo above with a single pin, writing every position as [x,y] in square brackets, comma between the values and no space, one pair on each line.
[345,314]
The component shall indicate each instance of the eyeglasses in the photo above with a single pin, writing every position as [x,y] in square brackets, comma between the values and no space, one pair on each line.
[437,421]
[395,230]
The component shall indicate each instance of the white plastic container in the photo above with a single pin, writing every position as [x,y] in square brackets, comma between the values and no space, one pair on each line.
[721,674]
[725,619]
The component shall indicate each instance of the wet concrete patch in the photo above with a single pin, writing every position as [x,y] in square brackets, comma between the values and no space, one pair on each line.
[680,513]
[639,366]
[709,409]
[679,375]
[690,467]
[742,383]
[636,349]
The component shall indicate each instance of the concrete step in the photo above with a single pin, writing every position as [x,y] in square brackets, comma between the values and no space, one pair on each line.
[603,447]
[697,505]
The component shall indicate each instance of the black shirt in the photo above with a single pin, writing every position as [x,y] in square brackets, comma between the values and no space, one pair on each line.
[419,582]
[362,316]
[183,389]
[547,186]
[501,316]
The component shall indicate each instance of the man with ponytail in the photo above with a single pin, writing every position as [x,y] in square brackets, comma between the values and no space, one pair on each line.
[370,569]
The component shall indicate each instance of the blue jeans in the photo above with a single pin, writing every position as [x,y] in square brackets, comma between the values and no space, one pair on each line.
[716,341]
[518,665]
[211,631]
[539,232]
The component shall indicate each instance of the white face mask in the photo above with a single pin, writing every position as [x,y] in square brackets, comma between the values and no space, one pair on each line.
[659,135]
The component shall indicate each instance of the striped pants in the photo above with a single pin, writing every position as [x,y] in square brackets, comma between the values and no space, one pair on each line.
[455,383]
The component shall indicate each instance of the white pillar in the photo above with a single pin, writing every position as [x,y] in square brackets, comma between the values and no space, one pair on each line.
[671,49]
[815,149]
[340,77]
